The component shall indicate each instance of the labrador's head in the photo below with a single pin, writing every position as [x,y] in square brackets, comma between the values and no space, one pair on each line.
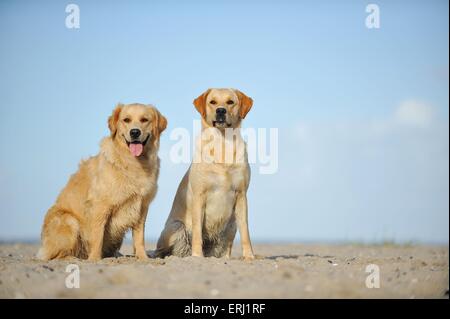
[136,127]
[223,108]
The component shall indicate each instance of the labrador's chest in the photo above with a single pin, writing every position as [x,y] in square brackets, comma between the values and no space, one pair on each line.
[221,194]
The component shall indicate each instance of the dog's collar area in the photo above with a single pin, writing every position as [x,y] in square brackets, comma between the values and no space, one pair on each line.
[136,142]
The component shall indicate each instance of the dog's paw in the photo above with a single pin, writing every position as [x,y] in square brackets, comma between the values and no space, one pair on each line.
[143,256]
[94,258]
[249,257]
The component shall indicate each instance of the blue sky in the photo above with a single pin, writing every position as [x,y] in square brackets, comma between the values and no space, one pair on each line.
[362,113]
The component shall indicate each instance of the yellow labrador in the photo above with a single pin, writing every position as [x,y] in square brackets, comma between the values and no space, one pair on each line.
[212,197]
[110,193]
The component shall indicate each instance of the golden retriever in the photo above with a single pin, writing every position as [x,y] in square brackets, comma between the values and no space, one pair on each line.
[110,193]
[212,197]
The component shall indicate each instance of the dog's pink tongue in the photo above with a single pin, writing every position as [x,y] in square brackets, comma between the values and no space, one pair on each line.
[136,149]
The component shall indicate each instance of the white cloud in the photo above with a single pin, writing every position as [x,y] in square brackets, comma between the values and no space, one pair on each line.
[414,113]
[408,114]
[376,179]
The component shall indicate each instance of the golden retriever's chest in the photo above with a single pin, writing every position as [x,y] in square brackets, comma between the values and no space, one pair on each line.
[120,186]
[130,191]
[140,185]
[125,216]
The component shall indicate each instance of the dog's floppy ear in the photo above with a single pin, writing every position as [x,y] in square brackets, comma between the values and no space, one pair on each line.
[200,103]
[160,123]
[246,103]
[114,117]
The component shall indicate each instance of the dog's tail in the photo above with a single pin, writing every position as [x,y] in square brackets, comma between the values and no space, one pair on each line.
[60,235]
[174,240]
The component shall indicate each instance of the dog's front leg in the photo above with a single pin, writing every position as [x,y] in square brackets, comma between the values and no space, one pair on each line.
[139,232]
[97,231]
[197,225]
[241,212]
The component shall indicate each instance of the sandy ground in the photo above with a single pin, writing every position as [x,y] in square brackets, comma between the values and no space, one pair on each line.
[280,271]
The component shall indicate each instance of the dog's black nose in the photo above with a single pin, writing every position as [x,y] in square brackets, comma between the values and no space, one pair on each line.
[221,111]
[135,133]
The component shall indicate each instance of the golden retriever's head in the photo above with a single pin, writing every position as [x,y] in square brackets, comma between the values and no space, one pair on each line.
[136,126]
[223,108]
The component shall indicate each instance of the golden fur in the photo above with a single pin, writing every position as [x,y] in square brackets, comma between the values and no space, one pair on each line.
[211,201]
[110,193]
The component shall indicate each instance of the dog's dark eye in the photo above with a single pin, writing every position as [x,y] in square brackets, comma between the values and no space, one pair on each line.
[229,102]
[213,102]
[127,120]
[144,120]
